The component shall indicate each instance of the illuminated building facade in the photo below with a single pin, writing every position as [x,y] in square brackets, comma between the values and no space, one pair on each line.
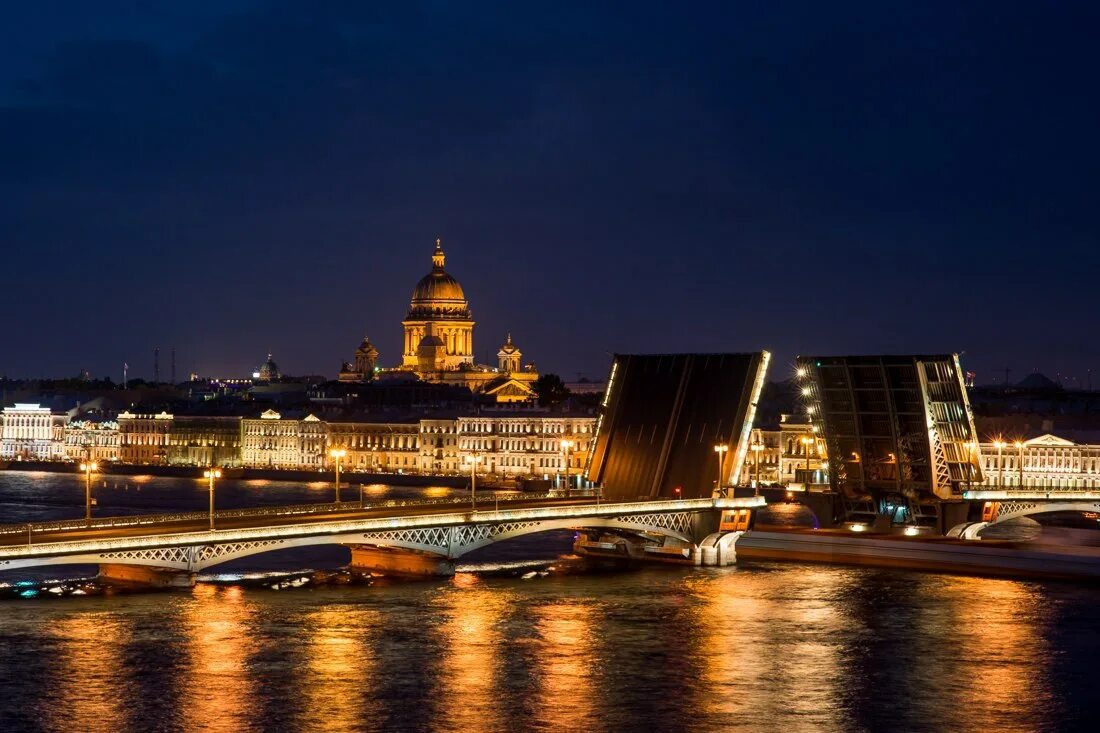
[143,439]
[524,445]
[86,440]
[271,441]
[31,432]
[1049,463]
[204,441]
[438,344]
[375,446]
[895,433]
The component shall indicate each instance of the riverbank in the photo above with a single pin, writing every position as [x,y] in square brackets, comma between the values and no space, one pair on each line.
[270,474]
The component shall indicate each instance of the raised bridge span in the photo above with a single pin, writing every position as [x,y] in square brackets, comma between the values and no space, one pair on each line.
[406,538]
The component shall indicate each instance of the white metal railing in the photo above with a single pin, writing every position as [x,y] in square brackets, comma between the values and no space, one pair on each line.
[356,525]
[137,520]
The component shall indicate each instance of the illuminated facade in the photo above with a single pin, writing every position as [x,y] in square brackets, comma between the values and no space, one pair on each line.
[31,432]
[143,439]
[272,441]
[1049,463]
[204,441]
[525,446]
[438,344]
[92,441]
[373,446]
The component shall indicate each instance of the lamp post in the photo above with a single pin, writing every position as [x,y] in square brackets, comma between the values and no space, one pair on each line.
[88,468]
[211,474]
[720,449]
[1000,446]
[473,461]
[756,446]
[807,441]
[567,447]
[337,454]
[1020,462]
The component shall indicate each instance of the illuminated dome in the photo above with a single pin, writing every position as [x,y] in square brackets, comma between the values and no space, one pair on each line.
[269,370]
[438,295]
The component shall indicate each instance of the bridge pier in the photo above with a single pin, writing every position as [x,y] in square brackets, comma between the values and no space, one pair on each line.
[625,546]
[144,576]
[401,562]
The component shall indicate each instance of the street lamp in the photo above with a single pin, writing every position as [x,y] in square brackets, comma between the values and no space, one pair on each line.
[756,446]
[720,449]
[1020,461]
[88,469]
[337,453]
[1000,446]
[807,441]
[211,474]
[567,447]
[473,461]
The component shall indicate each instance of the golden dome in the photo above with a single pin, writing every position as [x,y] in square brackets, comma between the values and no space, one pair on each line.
[438,294]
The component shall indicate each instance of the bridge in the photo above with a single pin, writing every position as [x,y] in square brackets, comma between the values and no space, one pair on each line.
[414,538]
[999,506]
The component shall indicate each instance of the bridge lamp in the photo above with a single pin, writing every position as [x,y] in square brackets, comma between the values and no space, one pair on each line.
[800,372]
[88,468]
[337,454]
[1020,460]
[473,461]
[211,474]
[567,448]
[1000,446]
[721,449]
[807,441]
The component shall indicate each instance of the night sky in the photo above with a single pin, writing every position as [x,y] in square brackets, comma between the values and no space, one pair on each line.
[234,178]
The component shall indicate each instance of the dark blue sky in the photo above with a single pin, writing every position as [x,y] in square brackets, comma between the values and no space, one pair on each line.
[803,177]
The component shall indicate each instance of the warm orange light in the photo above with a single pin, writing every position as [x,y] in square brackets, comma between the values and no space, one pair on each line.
[337,452]
[721,448]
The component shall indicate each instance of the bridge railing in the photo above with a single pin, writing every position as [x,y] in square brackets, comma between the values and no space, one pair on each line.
[137,520]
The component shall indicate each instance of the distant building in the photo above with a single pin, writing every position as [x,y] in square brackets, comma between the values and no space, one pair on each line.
[376,446]
[143,439]
[88,440]
[270,441]
[801,459]
[362,367]
[438,345]
[521,445]
[204,441]
[31,432]
[1049,463]
[268,371]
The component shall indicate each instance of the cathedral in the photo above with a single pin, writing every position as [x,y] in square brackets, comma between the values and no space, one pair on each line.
[438,345]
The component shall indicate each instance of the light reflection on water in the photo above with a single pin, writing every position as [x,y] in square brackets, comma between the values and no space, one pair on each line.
[218,687]
[88,656]
[761,648]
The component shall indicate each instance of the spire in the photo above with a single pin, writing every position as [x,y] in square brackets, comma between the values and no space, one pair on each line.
[438,258]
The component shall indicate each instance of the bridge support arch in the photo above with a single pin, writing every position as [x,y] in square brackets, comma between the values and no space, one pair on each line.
[144,576]
[401,562]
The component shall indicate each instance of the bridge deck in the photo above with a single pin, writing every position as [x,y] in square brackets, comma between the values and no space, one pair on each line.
[291,522]
[163,524]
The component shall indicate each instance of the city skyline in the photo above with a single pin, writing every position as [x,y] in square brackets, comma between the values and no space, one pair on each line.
[262,178]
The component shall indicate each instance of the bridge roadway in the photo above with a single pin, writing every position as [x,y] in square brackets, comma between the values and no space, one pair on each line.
[417,537]
[171,524]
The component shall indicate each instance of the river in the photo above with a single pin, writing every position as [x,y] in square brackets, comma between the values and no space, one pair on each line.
[755,647]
